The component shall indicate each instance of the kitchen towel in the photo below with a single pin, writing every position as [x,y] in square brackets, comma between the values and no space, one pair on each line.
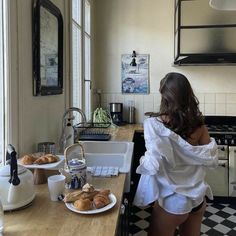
[104,171]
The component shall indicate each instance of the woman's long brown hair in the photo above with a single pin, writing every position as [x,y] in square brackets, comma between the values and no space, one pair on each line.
[179,105]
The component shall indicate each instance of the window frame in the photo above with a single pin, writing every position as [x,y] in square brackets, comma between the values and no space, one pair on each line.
[83,79]
[6,78]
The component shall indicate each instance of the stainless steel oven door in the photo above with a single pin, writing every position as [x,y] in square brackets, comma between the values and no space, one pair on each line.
[232,171]
[218,178]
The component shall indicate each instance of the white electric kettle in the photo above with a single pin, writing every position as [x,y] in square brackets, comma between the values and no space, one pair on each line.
[16,183]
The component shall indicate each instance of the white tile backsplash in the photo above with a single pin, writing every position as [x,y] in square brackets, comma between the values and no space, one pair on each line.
[148,98]
[220,109]
[230,109]
[119,98]
[209,98]
[231,98]
[157,98]
[202,108]
[210,108]
[210,103]
[148,107]
[200,97]
[221,98]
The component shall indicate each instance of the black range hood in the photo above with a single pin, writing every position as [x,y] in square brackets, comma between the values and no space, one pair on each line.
[206,59]
[203,35]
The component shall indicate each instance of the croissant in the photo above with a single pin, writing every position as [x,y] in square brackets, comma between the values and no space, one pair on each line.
[83,204]
[105,191]
[77,195]
[49,158]
[89,196]
[73,196]
[27,160]
[100,200]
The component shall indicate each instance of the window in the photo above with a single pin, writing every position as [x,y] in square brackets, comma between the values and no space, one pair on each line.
[2,79]
[81,56]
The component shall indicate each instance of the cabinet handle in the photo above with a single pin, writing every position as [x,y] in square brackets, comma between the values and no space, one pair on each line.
[122,209]
[126,202]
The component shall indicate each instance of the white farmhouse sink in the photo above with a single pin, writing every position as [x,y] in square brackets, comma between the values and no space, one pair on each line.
[107,146]
[110,153]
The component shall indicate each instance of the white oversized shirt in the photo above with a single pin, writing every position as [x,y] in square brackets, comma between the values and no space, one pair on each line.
[173,167]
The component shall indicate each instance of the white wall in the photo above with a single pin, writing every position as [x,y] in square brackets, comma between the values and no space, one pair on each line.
[34,119]
[146,26]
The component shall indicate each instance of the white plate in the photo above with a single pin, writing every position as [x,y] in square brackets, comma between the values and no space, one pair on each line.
[112,197]
[44,166]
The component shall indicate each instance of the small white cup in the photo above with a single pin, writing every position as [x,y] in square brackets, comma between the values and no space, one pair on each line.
[56,186]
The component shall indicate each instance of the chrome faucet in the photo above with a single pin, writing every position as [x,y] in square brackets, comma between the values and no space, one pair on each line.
[63,138]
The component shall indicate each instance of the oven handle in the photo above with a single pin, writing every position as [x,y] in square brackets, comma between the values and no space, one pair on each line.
[223,163]
[234,184]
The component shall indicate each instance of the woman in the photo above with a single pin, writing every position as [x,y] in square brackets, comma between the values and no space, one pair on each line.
[179,149]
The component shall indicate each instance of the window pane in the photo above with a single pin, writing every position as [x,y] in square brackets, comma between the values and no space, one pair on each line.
[76,76]
[87,58]
[87,17]
[76,11]
[88,100]
[87,64]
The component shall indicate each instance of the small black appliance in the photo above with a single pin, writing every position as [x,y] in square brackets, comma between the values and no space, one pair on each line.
[116,110]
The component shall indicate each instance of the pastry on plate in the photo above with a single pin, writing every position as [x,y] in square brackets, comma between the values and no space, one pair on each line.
[79,194]
[83,204]
[72,196]
[46,159]
[27,159]
[105,191]
[101,199]
[88,188]
[89,195]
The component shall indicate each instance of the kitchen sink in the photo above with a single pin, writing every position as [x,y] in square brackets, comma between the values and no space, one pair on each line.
[107,147]
[110,153]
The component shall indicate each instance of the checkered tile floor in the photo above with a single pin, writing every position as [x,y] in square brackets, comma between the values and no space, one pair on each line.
[219,219]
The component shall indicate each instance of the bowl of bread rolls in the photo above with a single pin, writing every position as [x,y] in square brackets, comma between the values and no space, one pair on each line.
[89,200]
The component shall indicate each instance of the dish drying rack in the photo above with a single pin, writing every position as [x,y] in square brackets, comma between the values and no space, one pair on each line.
[92,131]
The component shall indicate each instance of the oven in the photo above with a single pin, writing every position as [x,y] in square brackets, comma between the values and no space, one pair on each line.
[223,179]
[232,171]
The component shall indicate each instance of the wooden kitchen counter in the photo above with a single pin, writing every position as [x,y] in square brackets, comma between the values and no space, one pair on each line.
[47,218]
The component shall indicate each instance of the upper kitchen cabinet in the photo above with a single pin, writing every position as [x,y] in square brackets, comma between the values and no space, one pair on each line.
[203,35]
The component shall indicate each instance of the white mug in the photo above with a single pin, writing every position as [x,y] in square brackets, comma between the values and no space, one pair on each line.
[56,186]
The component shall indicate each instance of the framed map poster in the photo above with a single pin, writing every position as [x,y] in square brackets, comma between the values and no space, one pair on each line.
[135,78]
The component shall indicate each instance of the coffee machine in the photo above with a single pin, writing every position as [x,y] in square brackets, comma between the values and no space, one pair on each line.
[116,110]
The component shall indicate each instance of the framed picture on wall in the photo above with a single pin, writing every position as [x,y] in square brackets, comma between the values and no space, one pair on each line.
[47,49]
[135,73]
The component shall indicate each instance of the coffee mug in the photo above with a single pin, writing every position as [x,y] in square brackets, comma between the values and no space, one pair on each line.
[56,186]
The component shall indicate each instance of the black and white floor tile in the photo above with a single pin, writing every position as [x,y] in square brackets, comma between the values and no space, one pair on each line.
[219,220]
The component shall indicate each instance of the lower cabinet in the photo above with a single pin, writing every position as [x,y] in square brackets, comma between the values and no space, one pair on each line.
[139,150]
[126,208]
[124,220]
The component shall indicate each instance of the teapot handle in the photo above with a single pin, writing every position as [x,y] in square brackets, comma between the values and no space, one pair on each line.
[71,147]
